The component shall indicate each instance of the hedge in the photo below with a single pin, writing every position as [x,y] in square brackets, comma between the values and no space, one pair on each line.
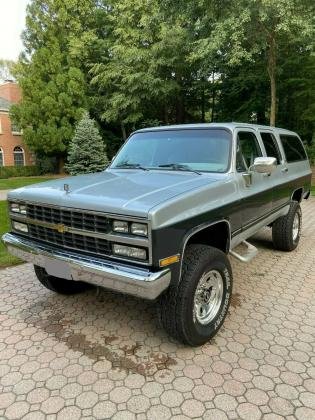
[14,171]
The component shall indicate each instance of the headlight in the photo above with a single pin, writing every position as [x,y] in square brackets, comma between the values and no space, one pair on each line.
[18,208]
[128,251]
[139,229]
[120,226]
[21,227]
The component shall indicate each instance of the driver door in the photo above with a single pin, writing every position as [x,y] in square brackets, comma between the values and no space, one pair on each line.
[255,188]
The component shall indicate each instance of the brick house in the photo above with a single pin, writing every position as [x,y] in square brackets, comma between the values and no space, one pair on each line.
[13,152]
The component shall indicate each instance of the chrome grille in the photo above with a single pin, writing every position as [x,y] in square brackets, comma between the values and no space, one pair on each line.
[72,218]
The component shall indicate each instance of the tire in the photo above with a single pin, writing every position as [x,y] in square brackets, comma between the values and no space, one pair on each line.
[62,286]
[176,307]
[286,230]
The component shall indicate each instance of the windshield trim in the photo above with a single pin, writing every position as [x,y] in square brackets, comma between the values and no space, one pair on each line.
[228,130]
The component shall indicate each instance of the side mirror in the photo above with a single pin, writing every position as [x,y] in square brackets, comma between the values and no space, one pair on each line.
[264,165]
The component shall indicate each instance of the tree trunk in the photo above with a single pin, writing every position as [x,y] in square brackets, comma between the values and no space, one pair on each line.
[203,103]
[271,66]
[213,98]
[123,130]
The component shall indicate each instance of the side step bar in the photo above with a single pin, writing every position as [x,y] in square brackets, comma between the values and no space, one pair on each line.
[251,252]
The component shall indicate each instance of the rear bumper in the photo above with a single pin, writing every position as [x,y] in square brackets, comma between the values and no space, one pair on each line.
[135,281]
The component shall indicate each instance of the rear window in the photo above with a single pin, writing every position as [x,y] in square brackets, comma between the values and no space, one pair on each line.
[293,148]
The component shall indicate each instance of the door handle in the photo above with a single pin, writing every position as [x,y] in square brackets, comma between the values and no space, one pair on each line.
[284,170]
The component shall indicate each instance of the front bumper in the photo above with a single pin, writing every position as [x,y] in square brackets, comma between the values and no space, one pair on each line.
[131,280]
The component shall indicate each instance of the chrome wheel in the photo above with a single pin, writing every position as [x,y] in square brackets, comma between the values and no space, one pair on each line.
[296,226]
[208,297]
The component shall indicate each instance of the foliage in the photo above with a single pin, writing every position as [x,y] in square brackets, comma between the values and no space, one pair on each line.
[6,259]
[13,171]
[87,150]
[133,63]
[53,85]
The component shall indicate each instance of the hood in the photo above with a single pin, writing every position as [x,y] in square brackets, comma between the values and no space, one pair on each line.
[126,192]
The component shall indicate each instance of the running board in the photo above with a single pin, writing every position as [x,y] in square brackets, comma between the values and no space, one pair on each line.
[249,255]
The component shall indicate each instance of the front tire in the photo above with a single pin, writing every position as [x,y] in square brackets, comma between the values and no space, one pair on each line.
[57,285]
[195,309]
[286,230]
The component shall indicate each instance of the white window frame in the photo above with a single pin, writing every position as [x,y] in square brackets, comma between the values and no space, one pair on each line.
[2,154]
[18,151]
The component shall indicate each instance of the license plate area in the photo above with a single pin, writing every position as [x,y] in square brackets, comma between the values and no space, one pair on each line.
[57,268]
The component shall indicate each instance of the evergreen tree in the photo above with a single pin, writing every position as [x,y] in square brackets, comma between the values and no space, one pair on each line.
[52,81]
[87,150]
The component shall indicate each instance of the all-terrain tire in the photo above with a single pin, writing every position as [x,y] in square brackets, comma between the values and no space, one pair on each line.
[286,230]
[176,307]
[62,286]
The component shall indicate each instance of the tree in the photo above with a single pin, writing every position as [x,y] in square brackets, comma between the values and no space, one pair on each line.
[245,28]
[53,84]
[87,150]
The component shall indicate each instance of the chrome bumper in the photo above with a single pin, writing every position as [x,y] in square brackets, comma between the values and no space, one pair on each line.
[135,281]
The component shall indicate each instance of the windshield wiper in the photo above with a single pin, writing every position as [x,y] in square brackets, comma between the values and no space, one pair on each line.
[130,166]
[179,167]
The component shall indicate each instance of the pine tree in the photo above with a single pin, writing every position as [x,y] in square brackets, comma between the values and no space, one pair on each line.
[87,150]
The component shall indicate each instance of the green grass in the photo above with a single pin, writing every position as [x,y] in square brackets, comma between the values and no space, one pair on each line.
[313,190]
[6,259]
[11,183]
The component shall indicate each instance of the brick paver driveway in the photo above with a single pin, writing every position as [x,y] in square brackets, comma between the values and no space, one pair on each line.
[101,355]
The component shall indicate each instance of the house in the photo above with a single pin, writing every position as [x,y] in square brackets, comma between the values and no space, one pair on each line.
[13,152]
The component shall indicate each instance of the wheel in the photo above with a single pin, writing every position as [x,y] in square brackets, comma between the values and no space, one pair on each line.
[194,311]
[62,286]
[286,230]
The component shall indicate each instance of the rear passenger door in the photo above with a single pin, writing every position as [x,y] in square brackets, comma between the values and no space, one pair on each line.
[279,177]
[256,196]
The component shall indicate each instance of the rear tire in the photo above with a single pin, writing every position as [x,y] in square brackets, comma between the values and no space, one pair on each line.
[195,309]
[57,285]
[286,230]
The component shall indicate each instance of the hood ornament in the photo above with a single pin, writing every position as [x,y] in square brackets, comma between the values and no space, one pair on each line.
[66,188]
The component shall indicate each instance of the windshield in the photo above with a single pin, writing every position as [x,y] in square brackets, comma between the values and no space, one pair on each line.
[205,150]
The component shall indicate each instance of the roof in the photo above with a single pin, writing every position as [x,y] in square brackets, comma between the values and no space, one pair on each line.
[228,125]
[4,104]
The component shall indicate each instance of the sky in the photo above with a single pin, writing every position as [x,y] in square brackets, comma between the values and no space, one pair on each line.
[12,14]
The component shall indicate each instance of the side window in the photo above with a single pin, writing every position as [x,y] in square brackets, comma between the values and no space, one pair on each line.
[293,148]
[247,150]
[271,146]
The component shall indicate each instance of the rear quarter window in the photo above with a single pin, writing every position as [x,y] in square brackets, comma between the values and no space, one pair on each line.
[293,148]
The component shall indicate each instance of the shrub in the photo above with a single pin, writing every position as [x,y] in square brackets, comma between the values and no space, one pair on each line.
[14,171]
[87,150]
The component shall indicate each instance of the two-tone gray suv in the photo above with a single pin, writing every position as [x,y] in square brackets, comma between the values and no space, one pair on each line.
[159,222]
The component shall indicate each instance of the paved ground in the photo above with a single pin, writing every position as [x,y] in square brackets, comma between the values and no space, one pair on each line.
[3,194]
[103,356]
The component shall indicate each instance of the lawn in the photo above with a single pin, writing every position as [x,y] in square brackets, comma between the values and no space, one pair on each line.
[11,183]
[5,258]
[313,190]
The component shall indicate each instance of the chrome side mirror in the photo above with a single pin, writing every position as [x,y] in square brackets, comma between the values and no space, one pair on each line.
[264,165]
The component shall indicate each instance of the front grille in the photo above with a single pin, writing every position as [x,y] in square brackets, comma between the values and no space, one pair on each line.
[70,240]
[72,218]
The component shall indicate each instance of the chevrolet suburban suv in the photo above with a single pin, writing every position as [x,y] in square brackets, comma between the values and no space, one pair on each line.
[160,221]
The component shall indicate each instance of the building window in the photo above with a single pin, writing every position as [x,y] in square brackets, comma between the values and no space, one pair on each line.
[15,129]
[1,157]
[18,156]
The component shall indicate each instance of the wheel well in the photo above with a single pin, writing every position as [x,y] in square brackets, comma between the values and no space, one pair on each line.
[298,195]
[217,235]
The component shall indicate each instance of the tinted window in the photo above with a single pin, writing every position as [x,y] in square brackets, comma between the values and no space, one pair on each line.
[271,146]
[247,150]
[293,148]
[201,150]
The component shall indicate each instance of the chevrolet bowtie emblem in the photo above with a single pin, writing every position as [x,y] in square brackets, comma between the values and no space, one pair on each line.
[61,228]
[66,188]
